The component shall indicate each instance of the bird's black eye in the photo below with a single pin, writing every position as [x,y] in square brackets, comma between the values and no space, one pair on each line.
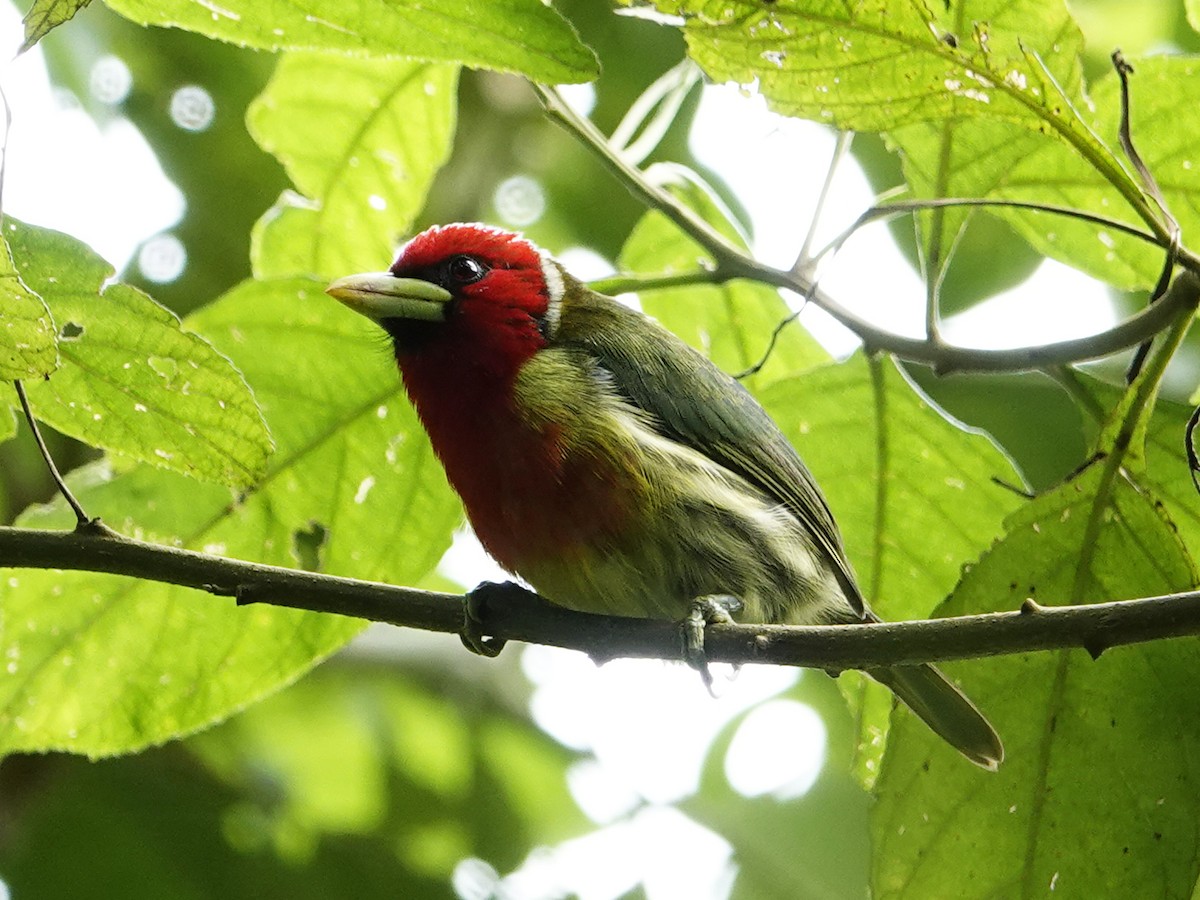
[464,270]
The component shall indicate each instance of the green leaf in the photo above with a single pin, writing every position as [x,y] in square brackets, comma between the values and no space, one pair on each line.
[981,97]
[102,665]
[1166,470]
[281,242]
[915,495]
[983,159]
[46,15]
[971,156]
[360,781]
[225,181]
[132,380]
[1099,794]
[1037,423]
[27,345]
[393,743]
[363,138]
[879,65]
[731,323]
[896,471]
[526,37]
[1165,109]
[8,428]
[161,825]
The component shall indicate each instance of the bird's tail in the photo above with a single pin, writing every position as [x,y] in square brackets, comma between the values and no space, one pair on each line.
[945,709]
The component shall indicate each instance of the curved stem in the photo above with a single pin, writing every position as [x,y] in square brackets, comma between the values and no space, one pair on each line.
[725,253]
[623,284]
[804,257]
[731,262]
[1180,300]
[81,517]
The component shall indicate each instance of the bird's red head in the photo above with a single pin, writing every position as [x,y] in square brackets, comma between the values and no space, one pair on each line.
[467,306]
[482,297]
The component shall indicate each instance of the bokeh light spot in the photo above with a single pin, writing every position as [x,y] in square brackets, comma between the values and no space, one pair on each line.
[162,259]
[519,201]
[474,879]
[110,80]
[779,748]
[192,108]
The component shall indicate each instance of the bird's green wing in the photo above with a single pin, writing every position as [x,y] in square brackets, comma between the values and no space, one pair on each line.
[698,405]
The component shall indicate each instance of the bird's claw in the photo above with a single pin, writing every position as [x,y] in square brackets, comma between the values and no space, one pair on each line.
[473,636]
[714,609]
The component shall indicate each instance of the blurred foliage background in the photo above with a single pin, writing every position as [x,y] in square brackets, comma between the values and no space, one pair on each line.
[401,757]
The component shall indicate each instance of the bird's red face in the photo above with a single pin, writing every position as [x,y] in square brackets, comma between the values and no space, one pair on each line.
[468,295]
[467,307]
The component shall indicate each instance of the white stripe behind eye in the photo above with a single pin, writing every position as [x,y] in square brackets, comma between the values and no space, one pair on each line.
[555,288]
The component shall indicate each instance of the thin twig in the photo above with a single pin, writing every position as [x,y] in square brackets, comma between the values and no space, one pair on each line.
[804,257]
[1181,298]
[892,209]
[1150,185]
[1160,288]
[766,355]
[1091,147]
[731,262]
[801,267]
[1125,135]
[727,256]
[623,284]
[81,518]
[1189,441]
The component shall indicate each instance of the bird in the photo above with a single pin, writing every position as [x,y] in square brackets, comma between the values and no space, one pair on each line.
[610,465]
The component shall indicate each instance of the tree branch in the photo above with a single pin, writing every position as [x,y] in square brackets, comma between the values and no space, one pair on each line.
[731,262]
[524,616]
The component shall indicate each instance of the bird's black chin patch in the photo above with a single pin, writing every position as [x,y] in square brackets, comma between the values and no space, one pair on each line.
[411,335]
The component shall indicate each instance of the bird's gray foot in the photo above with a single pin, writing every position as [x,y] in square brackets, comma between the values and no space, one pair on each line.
[473,636]
[714,609]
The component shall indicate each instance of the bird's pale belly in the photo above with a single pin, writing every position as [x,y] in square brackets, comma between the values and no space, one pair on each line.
[694,530]
[600,512]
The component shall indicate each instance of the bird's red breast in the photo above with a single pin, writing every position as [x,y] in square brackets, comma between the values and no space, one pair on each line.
[535,483]
[532,486]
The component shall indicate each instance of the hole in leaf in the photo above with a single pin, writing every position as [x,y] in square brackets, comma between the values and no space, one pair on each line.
[72,331]
[307,545]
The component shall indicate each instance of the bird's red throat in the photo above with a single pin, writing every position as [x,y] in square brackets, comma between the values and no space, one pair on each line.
[527,496]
